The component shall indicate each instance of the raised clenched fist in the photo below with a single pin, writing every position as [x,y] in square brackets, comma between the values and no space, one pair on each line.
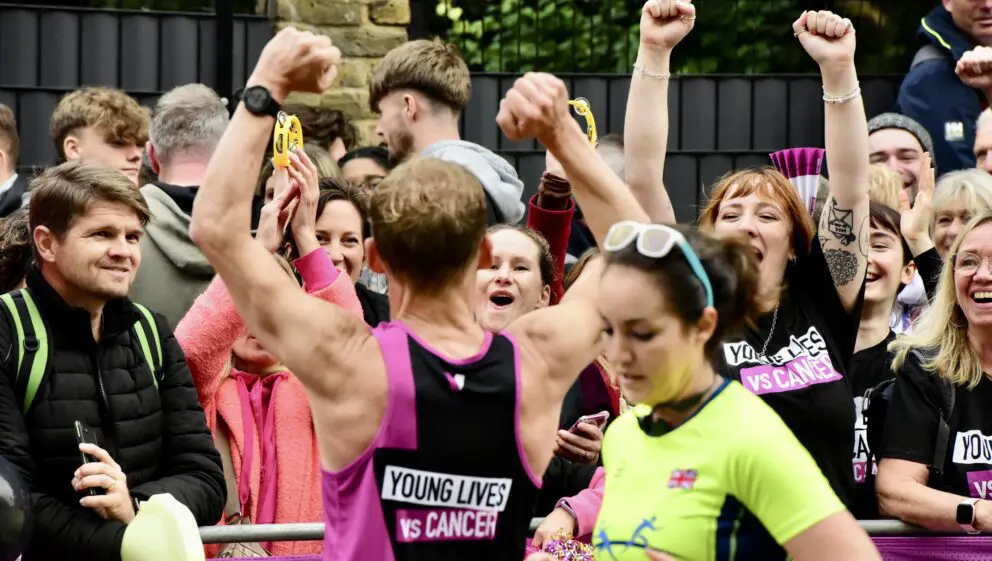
[975,68]
[664,23]
[827,37]
[296,61]
[535,107]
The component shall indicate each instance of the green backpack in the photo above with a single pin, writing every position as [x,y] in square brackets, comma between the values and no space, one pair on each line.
[33,350]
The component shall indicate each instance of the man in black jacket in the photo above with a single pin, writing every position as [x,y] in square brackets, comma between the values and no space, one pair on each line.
[153,438]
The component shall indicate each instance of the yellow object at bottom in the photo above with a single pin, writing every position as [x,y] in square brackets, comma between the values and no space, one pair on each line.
[163,530]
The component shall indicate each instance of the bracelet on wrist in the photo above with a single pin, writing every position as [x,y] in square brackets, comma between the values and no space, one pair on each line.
[563,504]
[837,99]
[656,75]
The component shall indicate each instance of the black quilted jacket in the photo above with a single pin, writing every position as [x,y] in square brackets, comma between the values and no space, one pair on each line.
[158,436]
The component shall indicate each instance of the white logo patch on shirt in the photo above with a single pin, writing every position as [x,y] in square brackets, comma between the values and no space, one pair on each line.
[953,131]
[972,447]
[430,488]
[802,363]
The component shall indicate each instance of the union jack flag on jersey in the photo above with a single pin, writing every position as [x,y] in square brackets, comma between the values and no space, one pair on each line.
[682,479]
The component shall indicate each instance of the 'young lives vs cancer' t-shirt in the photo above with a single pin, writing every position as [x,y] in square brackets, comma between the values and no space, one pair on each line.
[802,375]
[911,429]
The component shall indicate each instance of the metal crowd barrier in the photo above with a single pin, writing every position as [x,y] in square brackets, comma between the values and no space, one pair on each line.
[315,531]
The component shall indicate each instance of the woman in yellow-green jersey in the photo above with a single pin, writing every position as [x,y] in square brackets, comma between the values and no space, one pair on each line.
[708,472]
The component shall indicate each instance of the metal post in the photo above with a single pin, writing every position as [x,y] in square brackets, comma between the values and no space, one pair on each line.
[224,48]
[315,531]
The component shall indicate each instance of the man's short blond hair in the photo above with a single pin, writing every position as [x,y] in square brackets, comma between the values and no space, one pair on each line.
[63,193]
[428,219]
[110,111]
[428,66]
[884,186]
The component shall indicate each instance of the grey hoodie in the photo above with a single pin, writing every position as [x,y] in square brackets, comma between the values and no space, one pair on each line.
[173,270]
[497,176]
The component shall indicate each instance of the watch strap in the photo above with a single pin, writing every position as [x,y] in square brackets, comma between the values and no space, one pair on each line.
[271,108]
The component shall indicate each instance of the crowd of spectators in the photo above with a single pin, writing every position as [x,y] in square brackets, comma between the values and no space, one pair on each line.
[341,339]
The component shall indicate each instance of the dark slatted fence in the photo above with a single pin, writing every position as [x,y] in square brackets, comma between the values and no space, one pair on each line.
[719,122]
[49,51]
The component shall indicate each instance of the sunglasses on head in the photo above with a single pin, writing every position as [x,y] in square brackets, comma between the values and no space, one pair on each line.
[656,241]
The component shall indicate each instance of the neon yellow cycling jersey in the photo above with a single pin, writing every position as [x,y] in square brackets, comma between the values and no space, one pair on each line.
[732,482]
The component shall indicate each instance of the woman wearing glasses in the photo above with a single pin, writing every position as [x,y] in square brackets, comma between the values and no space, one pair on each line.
[942,396]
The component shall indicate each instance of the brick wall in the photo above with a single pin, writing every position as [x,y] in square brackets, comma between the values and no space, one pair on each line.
[364,30]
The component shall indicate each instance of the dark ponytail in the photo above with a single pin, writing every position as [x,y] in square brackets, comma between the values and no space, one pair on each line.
[732,268]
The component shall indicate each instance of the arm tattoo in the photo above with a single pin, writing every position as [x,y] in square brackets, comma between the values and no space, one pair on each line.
[843,265]
[840,223]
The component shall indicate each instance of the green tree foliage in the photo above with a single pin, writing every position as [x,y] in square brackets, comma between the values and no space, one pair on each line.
[731,36]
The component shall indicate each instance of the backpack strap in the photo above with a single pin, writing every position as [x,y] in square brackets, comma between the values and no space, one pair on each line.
[947,391]
[152,351]
[32,350]
[926,52]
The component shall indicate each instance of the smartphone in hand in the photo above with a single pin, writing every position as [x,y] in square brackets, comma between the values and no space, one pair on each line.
[597,419]
[85,436]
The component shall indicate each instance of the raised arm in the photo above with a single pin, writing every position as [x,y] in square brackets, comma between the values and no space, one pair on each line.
[312,337]
[537,107]
[843,231]
[664,23]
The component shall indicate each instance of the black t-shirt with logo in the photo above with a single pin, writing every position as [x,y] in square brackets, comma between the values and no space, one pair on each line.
[869,367]
[802,378]
[911,429]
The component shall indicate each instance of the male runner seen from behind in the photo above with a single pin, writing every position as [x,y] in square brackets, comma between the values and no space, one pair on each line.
[434,434]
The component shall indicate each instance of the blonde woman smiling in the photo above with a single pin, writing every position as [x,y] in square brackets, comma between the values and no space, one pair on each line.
[942,376]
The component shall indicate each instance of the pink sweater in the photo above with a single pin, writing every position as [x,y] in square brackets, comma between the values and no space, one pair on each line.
[206,335]
[587,503]
[586,507]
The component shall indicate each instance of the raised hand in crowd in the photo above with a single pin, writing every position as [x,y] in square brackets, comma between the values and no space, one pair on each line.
[304,224]
[115,502]
[296,61]
[827,37]
[581,446]
[275,217]
[915,219]
[830,41]
[664,23]
[536,107]
[974,68]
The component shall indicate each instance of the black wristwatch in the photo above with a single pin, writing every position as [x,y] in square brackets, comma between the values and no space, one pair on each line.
[136,504]
[258,100]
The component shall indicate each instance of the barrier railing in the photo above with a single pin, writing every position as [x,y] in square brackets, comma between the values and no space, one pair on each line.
[315,531]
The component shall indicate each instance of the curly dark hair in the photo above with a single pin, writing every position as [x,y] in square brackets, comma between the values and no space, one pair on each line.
[16,250]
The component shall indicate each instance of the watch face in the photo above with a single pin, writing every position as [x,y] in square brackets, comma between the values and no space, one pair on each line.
[256,98]
[965,514]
